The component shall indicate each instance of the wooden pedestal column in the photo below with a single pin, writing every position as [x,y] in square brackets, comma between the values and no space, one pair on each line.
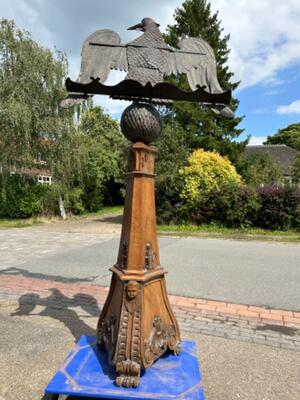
[137,324]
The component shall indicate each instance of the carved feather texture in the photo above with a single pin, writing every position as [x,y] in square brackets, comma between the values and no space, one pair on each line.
[97,61]
[200,69]
[147,59]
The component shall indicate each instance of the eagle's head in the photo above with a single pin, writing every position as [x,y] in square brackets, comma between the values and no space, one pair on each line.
[146,23]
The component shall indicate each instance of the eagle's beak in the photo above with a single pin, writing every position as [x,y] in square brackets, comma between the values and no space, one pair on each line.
[137,27]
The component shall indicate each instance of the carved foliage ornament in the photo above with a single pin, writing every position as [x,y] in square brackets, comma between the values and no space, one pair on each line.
[161,338]
[106,334]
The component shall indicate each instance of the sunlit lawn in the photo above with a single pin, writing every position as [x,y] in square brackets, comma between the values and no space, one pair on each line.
[237,233]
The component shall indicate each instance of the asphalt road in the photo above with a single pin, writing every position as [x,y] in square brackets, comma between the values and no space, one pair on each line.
[245,272]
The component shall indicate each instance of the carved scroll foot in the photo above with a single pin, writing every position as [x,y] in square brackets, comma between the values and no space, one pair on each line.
[128,374]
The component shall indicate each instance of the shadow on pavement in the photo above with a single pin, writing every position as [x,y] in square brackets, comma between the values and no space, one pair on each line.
[24,272]
[117,219]
[59,307]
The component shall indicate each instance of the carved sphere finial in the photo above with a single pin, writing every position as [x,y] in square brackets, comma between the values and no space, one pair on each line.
[140,122]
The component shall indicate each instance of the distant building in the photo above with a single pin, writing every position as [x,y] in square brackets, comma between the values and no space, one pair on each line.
[41,174]
[284,155]
[39,169]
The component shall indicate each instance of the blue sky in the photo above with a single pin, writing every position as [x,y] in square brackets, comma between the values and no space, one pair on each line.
[264,42]
[261,105]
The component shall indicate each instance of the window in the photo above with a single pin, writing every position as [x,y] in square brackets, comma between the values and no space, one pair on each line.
[45,180]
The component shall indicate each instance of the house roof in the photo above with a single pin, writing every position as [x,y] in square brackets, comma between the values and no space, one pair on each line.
[31,171]
[284,155]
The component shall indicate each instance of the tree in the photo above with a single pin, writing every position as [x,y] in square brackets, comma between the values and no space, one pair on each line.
[84,156]
[289,136]
[173,152]
[31,86]
[296,170]
[206,172]
[259,169]
[203,128]
[101,148]
[32,125]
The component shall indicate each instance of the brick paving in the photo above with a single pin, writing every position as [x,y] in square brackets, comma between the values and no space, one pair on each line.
[278,328]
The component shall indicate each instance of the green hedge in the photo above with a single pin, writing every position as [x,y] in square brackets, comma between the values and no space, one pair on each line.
[236,206]
[23,197]
[20,197]
[280,208]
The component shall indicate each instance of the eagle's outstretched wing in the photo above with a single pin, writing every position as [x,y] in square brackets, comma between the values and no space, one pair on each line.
[97,61]
[201,70]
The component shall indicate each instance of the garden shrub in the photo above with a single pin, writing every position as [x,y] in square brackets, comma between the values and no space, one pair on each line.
[20,196]
[237,206]
[72,200]
[279,208]
[207,171]
[170,208]
[231,205]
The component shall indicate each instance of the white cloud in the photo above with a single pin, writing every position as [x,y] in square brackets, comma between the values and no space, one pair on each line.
[256,140]
[264,37]
[292,108]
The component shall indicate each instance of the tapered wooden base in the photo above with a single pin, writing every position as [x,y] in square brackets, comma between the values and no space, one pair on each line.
[137,324]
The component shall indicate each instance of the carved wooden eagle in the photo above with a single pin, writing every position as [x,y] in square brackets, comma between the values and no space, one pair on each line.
[148,58]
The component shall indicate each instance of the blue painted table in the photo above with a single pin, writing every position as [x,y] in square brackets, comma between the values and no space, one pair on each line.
[86,373]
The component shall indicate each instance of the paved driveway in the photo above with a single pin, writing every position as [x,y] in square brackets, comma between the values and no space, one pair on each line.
[254,273]
[232,370]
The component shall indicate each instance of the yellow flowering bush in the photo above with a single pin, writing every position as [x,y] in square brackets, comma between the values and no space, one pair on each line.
[207,171]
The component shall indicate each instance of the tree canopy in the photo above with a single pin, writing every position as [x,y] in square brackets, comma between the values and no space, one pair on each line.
[259,169]
[83,155]
[289,136]
[31,86]
[203,128]
[102,163]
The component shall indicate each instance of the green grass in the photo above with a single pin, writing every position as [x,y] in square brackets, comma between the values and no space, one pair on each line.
[230,233]
[27,222]
[19,223]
